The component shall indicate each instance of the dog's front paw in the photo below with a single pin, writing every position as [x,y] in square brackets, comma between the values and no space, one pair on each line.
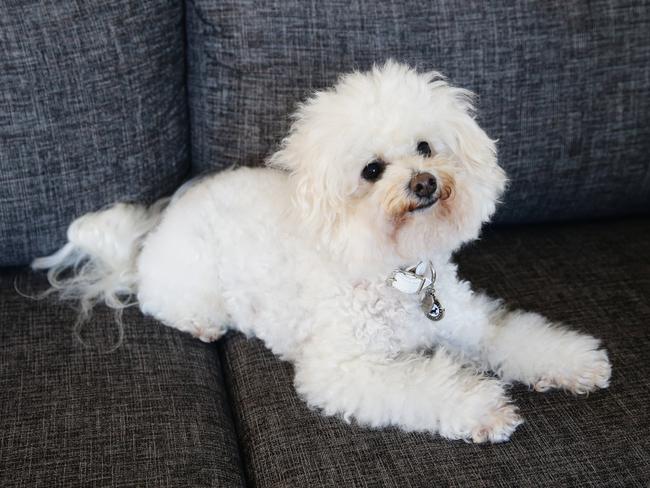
[483,415]
[584,373]
[497,425]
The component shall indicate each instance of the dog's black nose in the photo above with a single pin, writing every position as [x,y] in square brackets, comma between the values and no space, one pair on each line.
[423,185]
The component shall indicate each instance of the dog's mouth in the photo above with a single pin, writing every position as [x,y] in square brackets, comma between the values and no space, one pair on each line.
[424,205]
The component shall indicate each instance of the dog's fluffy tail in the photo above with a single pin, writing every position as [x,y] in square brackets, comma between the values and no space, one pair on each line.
[98,264]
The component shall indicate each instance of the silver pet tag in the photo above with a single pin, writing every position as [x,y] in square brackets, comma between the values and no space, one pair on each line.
[431,306]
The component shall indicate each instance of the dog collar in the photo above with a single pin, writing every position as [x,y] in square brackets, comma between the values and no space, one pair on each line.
[419,279]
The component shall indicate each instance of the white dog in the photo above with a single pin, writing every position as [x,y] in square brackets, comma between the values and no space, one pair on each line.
[337,255]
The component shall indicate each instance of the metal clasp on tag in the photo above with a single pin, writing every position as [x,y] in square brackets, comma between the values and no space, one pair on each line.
[413,280]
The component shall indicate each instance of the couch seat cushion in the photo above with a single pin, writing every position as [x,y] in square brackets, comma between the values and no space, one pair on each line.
[593,276]
[151,413]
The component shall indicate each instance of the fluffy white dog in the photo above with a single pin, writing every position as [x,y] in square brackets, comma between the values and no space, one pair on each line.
[337,255]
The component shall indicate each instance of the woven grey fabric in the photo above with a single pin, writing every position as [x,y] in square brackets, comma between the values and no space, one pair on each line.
[562,85]
[153,413]
[92,110]
[595,277]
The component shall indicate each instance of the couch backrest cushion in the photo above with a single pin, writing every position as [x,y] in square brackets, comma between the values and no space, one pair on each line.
[92,110]
[564,86]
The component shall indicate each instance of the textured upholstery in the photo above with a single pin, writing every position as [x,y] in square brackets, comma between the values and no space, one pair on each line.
[562,85]
[153,413]
[595,277]
[92,110]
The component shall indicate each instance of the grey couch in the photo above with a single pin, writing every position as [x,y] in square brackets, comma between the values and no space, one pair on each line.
[105,100]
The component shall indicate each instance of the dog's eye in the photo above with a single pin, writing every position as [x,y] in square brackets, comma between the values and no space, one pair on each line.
[373,171]
[424,149]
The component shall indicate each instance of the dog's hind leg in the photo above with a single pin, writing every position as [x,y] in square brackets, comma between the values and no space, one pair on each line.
[179,284]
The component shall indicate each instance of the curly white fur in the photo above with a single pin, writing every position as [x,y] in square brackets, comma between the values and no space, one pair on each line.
[298,254]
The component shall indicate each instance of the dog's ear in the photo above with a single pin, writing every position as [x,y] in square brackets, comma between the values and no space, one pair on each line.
[471,145]
[319,186]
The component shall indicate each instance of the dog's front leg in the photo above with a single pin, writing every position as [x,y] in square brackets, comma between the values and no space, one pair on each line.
[526,347]
[416,393]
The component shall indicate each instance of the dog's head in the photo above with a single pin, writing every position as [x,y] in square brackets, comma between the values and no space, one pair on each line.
[391,164]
